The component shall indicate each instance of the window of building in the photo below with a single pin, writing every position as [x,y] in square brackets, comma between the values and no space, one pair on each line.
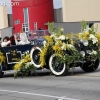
[90,25]
[25,15]
[17,22]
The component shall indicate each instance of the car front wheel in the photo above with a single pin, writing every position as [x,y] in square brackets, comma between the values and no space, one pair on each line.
[57,67]
[34,54]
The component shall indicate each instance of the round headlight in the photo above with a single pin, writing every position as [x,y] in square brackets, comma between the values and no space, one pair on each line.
[85,42]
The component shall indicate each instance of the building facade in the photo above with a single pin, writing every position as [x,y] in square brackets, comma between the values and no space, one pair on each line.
[32,14]
[5,30]
[3,17]
[77,10]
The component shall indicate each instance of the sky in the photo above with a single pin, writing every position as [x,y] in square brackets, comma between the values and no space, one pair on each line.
[57,4]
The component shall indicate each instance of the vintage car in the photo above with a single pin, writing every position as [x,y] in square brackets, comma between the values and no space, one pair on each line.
[59,68]
[34,47]
[34,38]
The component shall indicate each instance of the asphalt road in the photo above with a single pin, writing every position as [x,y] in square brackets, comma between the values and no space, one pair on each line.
[44,86]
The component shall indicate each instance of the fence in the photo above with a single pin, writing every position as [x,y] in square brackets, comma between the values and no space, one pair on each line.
[37,34]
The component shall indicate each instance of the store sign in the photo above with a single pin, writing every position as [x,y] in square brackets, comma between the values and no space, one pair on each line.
[13,57]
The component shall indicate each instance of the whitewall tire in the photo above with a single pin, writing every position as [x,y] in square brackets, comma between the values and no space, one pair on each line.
[57,68]
[34,54]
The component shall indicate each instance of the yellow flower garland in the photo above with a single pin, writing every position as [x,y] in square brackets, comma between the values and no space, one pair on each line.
[84,36]
[97,35]
[22,61]
[57,48]
[56,45]
[45,49]
[2,58]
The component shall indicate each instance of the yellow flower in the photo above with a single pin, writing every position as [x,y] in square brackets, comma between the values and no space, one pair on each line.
[45,50]
[42,56]
[48,39]
[80,35]
[72,42]
[85,36]
[97,35]
[17,66]
[55,47]
[22,61]
[2,58]
[70,35]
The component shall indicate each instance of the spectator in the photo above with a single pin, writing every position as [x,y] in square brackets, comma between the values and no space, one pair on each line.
[12,40]
[6,42]
[40,31]
[21,41]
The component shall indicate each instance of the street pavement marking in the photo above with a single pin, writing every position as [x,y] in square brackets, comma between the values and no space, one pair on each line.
[42,95]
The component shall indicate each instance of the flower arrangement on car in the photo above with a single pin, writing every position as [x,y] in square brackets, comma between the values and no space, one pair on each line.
[90,39]
[60,51]
[61,47]
[25,67]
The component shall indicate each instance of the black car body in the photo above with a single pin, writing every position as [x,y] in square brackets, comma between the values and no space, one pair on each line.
[11,59]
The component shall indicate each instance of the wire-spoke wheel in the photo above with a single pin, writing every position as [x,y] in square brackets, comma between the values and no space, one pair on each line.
[34,54]
[57,67]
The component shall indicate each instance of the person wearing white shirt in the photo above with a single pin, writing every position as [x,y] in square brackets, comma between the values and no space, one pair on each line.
[21,42]
[6,42]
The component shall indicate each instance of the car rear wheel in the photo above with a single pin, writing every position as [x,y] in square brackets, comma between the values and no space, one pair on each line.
[90,66]
[1,74]
[57,67]
[34,54]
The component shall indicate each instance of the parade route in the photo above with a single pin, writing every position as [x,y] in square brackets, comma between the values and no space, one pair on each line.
[45,86]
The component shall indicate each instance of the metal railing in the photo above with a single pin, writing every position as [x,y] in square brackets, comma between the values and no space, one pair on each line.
[34,34]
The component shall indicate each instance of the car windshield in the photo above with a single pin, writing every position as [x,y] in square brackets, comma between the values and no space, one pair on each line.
[37,34]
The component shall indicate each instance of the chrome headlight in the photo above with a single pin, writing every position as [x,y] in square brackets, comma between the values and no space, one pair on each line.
[85,42]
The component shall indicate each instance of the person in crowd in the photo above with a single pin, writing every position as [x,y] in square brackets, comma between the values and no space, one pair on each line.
[12,40]
[40,31]
[20,41]
[6,42]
